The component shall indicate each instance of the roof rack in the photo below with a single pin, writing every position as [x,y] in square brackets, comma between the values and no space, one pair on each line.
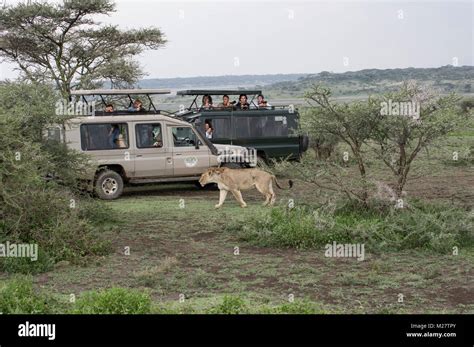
[119,91]
[127,92]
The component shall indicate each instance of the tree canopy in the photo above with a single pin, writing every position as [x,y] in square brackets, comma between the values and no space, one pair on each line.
[63,42]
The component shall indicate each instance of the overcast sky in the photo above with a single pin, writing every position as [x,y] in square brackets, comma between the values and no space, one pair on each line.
[267,37]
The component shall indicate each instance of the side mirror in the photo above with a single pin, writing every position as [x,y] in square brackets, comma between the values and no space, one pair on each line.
[196,141]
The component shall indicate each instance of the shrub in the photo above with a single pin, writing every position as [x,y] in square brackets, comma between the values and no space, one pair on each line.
[17,296]
[26,265]
[113,301]
[50,213]
[230,305]
[423,226]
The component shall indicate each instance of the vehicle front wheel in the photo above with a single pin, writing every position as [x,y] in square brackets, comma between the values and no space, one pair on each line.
[109,185]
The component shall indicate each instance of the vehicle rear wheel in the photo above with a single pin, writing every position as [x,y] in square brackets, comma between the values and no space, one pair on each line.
[109,185]
[304,143]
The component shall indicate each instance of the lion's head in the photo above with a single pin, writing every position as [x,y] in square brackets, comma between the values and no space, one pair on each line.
[212,175]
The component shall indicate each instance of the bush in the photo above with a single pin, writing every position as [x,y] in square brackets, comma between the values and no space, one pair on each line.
[296,228]
[230,305]
[113,301]
[50,213]
[26,265]
[436,228]
[17,296]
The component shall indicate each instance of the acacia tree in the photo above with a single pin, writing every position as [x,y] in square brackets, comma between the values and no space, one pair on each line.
[62,42]
[392,128]
[352,124]
[416,119]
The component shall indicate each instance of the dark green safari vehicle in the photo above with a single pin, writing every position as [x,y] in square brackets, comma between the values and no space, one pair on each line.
[271,130]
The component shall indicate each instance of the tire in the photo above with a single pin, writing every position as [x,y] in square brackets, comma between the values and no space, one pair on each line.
[209,186]
[304,143]
[108,185]
[232,165]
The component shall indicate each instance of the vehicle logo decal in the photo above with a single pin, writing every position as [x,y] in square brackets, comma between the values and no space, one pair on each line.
[190,161]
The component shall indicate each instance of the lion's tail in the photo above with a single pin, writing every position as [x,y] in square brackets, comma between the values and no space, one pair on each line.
[290,183]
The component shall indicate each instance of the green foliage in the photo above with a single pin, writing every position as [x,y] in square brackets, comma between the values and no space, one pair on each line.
[392,128]
[34,210]
[399,138]
[436,228]
[26,266]
[281,227]
[27,108]
[113,301]
[17,296]
[61,42]
[230,305]
[321,141]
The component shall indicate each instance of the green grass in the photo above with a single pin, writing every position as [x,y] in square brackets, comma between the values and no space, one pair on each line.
[190,252]
[113,301]
[437,228]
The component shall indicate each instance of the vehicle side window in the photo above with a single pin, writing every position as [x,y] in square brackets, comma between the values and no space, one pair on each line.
[275,126]
[221,128]
[104,136]
[149,135]
[183,137]
[268,126]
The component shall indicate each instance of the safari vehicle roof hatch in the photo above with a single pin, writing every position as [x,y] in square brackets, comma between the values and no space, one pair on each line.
[121,92]
[199,92]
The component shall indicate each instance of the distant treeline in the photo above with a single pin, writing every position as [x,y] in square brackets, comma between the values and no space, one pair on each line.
[444,79]
[221,81]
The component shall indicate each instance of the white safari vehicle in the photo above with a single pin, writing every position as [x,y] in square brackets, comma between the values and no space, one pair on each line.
[144,146]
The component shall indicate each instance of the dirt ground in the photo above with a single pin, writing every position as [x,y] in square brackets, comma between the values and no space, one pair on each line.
[184,250]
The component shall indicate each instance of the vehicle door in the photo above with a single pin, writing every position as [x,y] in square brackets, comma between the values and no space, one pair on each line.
[153,153]
[190,155]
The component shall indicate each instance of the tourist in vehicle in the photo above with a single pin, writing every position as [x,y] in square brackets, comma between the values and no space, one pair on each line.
[109,108]
[206,102]
[209,129]
[242,104]
[137,106]
[157,139]
[226,102]
[114,133]
[262,103]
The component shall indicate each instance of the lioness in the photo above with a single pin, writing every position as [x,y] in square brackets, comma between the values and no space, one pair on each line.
[235,180]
